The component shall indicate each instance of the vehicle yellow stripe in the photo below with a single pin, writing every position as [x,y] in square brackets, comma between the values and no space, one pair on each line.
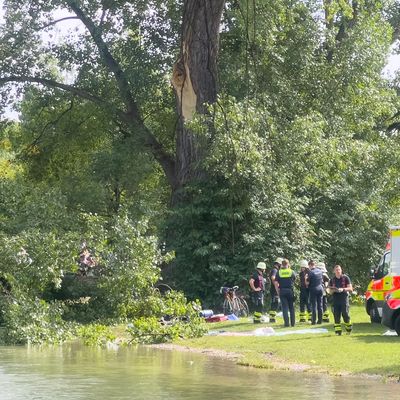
[395,233]
[378,296]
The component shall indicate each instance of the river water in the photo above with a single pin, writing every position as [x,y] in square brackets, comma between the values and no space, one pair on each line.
[77,372]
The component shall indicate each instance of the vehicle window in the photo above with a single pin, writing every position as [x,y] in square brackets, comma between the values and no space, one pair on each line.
[383,267]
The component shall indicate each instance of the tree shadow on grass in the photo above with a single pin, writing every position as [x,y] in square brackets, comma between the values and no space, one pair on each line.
[392,371]
[367,327]
[372,333]
[375,339]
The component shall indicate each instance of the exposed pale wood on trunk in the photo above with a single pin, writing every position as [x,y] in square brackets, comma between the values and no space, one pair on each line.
[195,81]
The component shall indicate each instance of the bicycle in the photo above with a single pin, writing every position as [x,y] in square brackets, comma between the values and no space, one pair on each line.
[234,304]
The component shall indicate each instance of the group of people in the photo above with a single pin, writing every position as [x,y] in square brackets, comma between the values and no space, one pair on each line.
[315,284]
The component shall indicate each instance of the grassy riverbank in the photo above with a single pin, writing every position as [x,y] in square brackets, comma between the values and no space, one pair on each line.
[366,351]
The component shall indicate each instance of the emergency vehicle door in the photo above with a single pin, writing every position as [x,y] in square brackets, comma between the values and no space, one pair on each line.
[382,280]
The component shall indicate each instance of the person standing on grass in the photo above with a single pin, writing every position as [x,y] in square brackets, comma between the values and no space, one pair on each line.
[316,293]
[325,281]
[257,286]
[304,292]
[284,282]
[272,291]
[340,285]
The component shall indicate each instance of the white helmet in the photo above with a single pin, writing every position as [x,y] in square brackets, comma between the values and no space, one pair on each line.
[261,265]
[279,260]
[303,264]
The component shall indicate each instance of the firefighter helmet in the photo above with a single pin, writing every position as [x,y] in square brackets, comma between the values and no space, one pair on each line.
[261,265]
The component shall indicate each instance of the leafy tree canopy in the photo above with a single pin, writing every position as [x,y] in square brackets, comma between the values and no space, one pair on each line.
[297,157]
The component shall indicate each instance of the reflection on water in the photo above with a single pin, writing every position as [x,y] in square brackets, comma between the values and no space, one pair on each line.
[77,372]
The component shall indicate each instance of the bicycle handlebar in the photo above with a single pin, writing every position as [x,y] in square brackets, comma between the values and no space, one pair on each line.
[228,289]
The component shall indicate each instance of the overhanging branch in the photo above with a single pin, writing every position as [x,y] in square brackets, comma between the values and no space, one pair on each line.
[54,84]
[149,141]
[108,60]
[132,115]
[57,21]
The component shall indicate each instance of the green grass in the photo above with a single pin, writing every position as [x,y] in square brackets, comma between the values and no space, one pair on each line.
[365,351]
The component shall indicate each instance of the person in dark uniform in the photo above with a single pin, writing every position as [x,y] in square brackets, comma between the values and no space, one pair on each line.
[304,292]
[340,285]
[274,295]
[325,282]
[316,292]
[284,282]
[257,287]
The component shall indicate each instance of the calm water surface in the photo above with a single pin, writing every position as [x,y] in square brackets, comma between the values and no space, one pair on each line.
[76,372]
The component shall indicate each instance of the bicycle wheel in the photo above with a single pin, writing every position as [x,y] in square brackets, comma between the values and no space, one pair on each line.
[227,307]
[244,308]
[237,307]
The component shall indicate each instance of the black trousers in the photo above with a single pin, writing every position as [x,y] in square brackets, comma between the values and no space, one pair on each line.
[274,300]
[304,300]
[316,305]
[287,303]
[341,309]
[324,303]
[258,301]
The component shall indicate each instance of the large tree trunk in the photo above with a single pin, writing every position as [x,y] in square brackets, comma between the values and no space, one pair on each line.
[195,83]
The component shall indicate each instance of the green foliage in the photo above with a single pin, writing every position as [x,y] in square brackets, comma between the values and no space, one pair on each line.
[174,318]
[78,149]
[149,330]
[33,321]
[38,254]
[128,262]
[95,334]
[300,163]
[299,160]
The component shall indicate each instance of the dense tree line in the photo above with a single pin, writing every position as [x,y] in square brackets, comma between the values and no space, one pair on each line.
[237,130]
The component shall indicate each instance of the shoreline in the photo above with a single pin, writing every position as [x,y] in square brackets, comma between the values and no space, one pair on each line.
[274,362]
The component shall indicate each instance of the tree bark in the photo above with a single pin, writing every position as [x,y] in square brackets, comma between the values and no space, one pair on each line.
[195,82]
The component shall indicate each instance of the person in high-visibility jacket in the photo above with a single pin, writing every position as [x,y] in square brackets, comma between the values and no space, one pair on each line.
[257,287]
[340,285]
[284,282]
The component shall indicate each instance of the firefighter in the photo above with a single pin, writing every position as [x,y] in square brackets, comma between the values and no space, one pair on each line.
[325,280]
[272,291]
[304,292]
[340,285]
[284,282]
[257,287]
[314,282]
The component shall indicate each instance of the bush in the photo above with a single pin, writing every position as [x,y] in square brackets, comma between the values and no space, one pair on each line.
[33,321]
[95,334]
[173,317]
